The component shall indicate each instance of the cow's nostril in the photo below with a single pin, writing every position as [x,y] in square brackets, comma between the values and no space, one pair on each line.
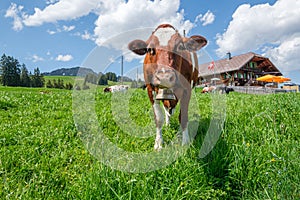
[171,79]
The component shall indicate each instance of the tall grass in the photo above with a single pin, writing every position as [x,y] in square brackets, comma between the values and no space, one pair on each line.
[42,156]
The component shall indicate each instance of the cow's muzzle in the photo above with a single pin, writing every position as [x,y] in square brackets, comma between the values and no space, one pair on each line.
[165,78]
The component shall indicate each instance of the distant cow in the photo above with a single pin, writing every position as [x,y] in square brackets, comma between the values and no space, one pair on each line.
[170,62]
[207,89]
[116,88]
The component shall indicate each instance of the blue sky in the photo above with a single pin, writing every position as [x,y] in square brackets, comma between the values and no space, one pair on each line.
[51,34]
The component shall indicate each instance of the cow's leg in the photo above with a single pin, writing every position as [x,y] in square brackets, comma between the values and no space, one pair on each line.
[168,113]
[183,117]
[159,120]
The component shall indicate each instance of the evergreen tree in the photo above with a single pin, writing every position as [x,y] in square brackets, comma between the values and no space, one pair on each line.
[9,71]
[37,79]
[55,85]
[69,86]
[60,84]
[49,84]
[91,78]
[102,80]
[111,76]
[24,77]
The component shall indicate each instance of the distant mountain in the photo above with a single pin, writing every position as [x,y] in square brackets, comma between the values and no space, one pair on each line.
[75,71]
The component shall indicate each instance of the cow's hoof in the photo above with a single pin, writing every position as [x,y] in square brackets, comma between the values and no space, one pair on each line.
[158,145]
[185,137]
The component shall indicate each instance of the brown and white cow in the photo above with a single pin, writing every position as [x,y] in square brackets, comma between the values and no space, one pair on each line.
[170,62]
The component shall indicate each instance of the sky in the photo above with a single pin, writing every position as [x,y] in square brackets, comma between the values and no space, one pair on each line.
[51,34]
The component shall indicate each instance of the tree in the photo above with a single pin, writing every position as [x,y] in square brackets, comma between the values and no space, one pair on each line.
[49,84]
[111,76]
[69,86]
[102,80]
[91,78]
[10,71]
[37,79]
[60,84]
[24,77]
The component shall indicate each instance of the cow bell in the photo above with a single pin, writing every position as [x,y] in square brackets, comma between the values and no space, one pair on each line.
[165,94]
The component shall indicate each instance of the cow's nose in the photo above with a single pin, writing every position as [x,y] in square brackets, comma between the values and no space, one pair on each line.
[165,78]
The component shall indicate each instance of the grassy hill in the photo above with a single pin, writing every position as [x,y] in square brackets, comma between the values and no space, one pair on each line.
[66,79]
[42,155]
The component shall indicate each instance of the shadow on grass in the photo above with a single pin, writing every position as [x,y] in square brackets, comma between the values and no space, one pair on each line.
[216,162]
[5,105]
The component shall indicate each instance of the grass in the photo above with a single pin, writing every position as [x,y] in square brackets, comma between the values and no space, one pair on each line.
[43,157]
[66,79]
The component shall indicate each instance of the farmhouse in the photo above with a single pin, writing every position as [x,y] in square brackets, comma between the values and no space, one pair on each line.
[238,70]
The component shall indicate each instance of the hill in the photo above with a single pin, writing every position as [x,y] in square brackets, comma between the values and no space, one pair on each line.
[75,71]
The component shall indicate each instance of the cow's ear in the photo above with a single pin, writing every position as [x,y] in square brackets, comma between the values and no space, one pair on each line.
[195,43]
[138,46]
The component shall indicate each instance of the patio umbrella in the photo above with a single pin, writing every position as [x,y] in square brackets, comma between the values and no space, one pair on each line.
[266,78]
[271,78]
[281,79]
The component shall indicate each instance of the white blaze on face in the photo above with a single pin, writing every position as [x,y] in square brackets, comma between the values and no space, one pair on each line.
[164,35]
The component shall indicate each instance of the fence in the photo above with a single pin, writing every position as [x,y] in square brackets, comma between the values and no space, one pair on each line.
[259,90]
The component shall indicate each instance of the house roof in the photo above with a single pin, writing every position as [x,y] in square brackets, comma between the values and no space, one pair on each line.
[236,63]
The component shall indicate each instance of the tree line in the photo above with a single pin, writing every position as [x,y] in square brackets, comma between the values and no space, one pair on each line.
[12,73]
[102,79]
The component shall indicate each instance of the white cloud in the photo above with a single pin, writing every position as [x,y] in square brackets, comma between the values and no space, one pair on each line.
[51,1]
[68,28]
[35,58]
[286,55]
[15,11]
[207,18]
[114,16]
[64,58]
[86,36]
[61,10]
[51,32]
[135,14]
[63,29]
[276,27]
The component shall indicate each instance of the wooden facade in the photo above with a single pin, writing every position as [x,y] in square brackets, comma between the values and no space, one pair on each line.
[238,70]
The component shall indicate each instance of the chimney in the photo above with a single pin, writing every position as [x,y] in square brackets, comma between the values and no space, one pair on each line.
[228,55]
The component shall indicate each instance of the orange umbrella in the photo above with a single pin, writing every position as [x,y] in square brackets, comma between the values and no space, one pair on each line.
[271,78]
[281,79]
[266,78]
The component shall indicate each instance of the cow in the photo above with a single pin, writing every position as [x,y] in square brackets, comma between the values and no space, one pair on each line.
[170,62]
[208,89]
[116,88]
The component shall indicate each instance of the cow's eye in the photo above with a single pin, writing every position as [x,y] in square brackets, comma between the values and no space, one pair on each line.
[181,47]
[151,51]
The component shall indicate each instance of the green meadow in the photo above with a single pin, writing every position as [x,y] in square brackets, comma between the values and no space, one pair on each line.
[43,156]
[65,79]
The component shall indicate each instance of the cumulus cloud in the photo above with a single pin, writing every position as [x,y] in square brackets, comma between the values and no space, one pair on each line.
[64,58]
[86,36]
[286,55]
[35,58]
[139,14]
[14,12]
[68,28]
[114,16]
[63,29]
[60,10]
[207,18]
[276,27]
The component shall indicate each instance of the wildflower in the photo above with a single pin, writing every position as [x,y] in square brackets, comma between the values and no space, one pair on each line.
[248,144]
[273,160]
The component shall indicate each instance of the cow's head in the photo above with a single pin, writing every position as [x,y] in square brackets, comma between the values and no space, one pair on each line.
[165,52]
